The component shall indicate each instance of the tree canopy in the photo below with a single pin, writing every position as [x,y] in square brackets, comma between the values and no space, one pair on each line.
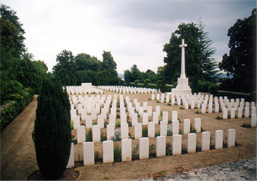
[241,61]
[85,68]
[17,65]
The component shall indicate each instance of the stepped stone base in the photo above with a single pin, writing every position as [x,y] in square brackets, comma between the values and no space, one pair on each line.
[182,87]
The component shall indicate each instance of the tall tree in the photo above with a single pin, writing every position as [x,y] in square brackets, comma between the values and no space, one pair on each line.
[52,129]
[108,74]
[65,68]
[241,61]
[10,15]
[197,54]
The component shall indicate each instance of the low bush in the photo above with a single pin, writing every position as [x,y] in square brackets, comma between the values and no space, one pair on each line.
[13,109]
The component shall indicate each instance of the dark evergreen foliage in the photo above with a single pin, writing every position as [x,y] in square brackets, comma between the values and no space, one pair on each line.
[52,129]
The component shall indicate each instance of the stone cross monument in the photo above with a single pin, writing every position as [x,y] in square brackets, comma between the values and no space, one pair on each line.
[182,87]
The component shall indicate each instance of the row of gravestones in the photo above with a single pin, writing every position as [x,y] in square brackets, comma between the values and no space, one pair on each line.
[126,147]
[128,90]
[124,130]
[83,90]
[198,100]
[226,105]
[93,108]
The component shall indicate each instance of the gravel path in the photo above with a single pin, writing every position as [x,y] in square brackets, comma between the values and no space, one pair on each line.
[241,170]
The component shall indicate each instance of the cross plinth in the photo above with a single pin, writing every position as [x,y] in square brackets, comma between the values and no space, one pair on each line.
[182,46]
[182,87]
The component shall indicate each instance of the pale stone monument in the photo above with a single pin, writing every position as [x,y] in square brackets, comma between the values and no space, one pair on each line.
[182,87]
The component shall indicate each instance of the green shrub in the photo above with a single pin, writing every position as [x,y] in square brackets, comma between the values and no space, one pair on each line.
[117,153]
[52,129]
[12,111]
[213,88]
[136,82]
[145,132]
[146,82]
[89,135]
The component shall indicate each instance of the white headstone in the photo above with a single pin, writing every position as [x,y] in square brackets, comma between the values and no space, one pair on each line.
[71,158]
[81,134]
[143,148]
[108,155]
[205,141]
[186,126]
[218,139]
[110,131]
[88,153]
[124,130]
[163,128]
[175,127]
[138,130]
[151,129]
[191,143]
[160,146]
[96,133]
[176,144]
[126,152]
[231,137]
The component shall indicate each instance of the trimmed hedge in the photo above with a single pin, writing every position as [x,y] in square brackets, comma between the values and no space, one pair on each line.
[12,111]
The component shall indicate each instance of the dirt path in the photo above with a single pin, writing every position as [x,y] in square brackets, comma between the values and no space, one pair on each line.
[18,157]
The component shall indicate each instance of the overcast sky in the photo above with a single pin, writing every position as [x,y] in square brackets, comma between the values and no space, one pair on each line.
[134,31]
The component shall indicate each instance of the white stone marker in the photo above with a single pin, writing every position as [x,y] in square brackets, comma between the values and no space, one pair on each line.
[150,110]
[143,148]
[88,121]
[253,121]
[138,130]
[145,119]
[110,131]
[108,151]
[124,131]
[155,118]
[163,128]
[174,115]
[88,153]
[175,127]
[186,104]
[112,119]
[203,108]
[240,112]
[153,97]
[100,121]
[218,139]
[217,107]
[225,113]
[247,112]
[176,144]
[209,108]
[191,143]
[205,141]
[76,122]
[71,158]
[160,146]
[126,152]
[186,126]
[198,125]
[165,116]
[96,133]
[123,118]
[151,129]
[81,134]
[232,113]
[253,109]
[231,137]
[134,119]
[158,109]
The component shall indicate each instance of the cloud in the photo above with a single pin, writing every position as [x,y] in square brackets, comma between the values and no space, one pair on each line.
[134,31]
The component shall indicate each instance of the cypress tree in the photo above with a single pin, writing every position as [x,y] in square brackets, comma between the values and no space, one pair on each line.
[52,129]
